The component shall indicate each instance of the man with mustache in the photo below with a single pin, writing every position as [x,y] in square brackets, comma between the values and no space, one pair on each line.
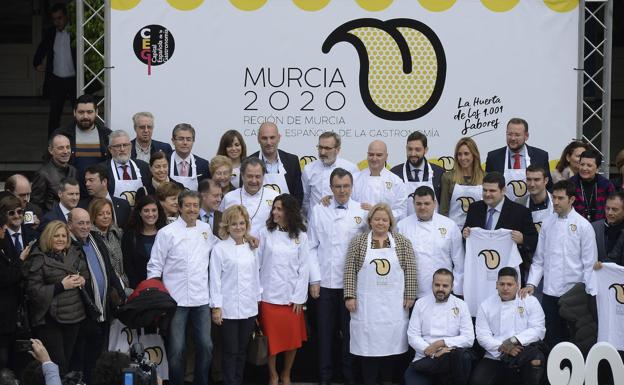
[440,331]
[315,176]
[565,255]
[125,176]
[88,139]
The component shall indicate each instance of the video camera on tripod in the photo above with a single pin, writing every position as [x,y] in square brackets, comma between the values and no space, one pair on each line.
[141,370]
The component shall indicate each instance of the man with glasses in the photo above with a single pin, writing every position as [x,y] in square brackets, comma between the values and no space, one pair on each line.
[315,176]
[19,234]
[18,185]
[143,146]
[185,167]
[125,176]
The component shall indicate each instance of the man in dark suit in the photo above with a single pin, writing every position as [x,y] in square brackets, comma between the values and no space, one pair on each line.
[608,230]
[143,146]
[60,64]
[69,195]
[283,168]
[96,181]
[184,166]
[416,170]
[516,156]
[123,173]
[496,211]
[211,195]
[18,234]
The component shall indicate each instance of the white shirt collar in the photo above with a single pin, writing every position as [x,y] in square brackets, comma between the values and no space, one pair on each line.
[179,159]
[499,206]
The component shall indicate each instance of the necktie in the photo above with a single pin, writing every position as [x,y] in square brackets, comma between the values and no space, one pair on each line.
[183,168]
[416,178]
[125,176]
[488,223]
[18,244]
[516,164]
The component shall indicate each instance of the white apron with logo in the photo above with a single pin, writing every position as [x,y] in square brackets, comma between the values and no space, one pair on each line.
[412,186]
[379,324]
[189,182]
[515,179]
[461,198]
[126,189]
[277,181]
[540,216]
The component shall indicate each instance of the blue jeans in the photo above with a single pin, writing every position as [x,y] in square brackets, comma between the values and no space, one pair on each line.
[201,319]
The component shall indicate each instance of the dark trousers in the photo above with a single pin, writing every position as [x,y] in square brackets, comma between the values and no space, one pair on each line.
[454,365]
[333,317]
[59,340]
[92,341]
[59,89]
[6,344]
[556,327]
[236,334]
[494,372]
[377,367]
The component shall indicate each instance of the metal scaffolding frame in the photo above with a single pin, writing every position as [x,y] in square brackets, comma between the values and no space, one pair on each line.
[594,66]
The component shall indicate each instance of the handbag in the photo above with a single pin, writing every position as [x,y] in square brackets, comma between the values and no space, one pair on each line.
[258,349]
[90,308]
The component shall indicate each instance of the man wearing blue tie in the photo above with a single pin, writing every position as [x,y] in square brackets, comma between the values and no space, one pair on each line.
[19,235]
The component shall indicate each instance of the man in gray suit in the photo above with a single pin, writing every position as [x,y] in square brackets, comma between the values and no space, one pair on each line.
[609,229]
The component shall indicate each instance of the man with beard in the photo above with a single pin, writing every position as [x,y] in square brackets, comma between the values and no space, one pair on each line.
[46,181]
[88,139]
[440,331]
[417,171]
[125,176]
[315,176]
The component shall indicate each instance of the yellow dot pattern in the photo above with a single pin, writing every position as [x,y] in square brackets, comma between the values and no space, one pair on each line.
[374,5]
[437,5]
[390,88]
[311,5]
[561,5]
[185,5]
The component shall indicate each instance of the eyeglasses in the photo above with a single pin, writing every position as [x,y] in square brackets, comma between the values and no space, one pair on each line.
[182,139]
[325,148]
[145,126]
[120,146]
[19,212]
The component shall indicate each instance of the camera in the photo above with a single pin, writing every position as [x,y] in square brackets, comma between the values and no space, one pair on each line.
[141,370]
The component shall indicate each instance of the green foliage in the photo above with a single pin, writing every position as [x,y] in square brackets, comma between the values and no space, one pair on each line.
[93,35]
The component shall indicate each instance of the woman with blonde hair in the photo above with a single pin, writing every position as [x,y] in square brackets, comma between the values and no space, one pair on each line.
[234,290]
[232,145]
[380,287]
[55,274]
[462,185]
[221,171]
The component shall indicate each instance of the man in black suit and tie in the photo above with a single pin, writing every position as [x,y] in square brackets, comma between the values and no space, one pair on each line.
[283,169]
[96,181]
[143,146]
[69,195]
[125,176]
[513,159]
[60,64]
[184,166]
[496,211]
[609,229]
[211,195]
[18,234]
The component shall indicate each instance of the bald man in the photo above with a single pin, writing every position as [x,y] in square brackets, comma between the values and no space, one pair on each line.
[103,287]
[376,184]
[19,185]
[283,169]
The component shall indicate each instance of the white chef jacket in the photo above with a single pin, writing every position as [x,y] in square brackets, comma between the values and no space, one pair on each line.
[315,180]
[284,269]
[432,321]
[385,188]
[234,280]
[330,230]
[498,320]
[610,301]
[437,244]
[258,205]
[565,255]
[180,255]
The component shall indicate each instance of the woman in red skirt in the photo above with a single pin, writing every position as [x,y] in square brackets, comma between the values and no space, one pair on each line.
[283,258]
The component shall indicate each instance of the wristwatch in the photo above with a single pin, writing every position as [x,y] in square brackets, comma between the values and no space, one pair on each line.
[514,340]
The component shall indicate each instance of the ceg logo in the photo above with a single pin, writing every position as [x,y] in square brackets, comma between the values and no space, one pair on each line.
[153,45]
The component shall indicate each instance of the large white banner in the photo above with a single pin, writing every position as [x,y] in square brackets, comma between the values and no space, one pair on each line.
[367,69]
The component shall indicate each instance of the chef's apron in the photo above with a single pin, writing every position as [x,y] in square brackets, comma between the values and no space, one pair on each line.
[277,181]
[461,198]
[189,182]
[126,189]
[379,324]
[539,216]
[515,179]
[412,186]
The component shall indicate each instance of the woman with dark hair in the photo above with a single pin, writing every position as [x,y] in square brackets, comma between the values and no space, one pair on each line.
[233,146]
[147,218]
[159,168]
[618,182]
[283,259]
[568,164]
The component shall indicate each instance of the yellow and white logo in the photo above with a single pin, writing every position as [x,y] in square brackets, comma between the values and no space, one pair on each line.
[447,162]
[358,220]
[382,266]
[491,257]
[464,203]
[274,187]
[130,196]
[619,292]
[518,187]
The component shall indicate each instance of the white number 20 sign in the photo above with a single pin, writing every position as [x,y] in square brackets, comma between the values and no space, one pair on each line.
[581,371]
